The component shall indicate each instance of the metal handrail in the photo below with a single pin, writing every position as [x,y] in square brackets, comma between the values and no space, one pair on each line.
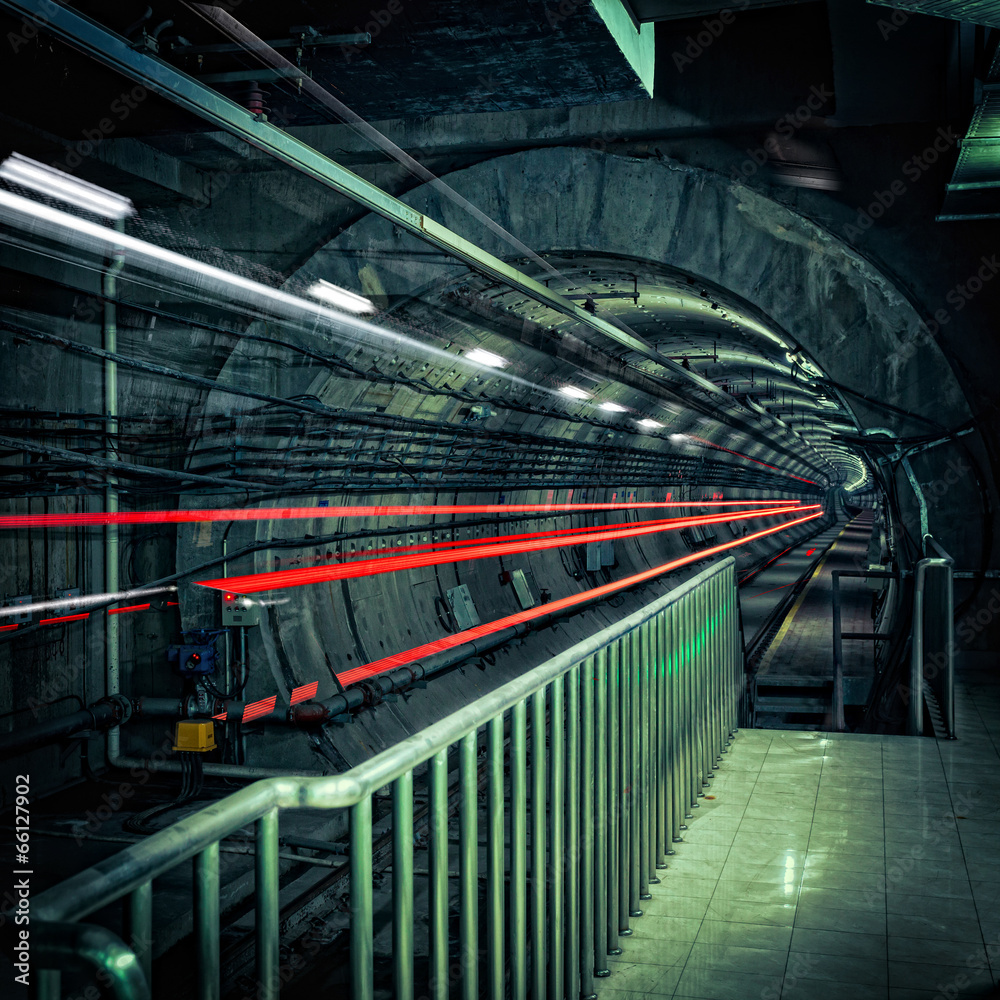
[946,615]
[626,728]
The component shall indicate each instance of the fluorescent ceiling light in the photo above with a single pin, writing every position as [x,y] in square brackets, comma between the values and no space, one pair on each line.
[678,438]
[341,297]
[21,170]
[480,357]
[613,407]
[571,390]
[651,424]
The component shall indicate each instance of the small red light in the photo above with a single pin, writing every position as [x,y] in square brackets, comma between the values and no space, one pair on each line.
[230,597]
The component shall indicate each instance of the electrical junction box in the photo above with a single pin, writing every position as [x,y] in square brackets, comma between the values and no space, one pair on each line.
[22,617]
[192,660]
[524,588]
[463,607]
[194,736]
[66,595]
[238,609]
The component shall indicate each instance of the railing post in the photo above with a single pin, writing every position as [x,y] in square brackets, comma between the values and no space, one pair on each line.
[48,984]
[362,901]
[635,865]
[573,832]
[838,657]
[915,715]
[539,868]
[468,868]
[557,841]
[613,818]
[402,886]
[437,851]
[139,926]
[495,860]
[674,647]
[602,869]
[518,852]
[206,915]
[587,757]
[267,941]
[662,735]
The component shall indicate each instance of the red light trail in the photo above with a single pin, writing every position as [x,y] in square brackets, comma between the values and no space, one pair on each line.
[480,631]
[254,583]
[131,607]
[64,618]
[311,513]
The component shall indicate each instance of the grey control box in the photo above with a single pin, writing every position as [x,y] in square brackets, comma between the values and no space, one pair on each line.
[239,609]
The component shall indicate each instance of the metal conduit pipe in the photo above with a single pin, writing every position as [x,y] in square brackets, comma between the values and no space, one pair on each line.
[102,716]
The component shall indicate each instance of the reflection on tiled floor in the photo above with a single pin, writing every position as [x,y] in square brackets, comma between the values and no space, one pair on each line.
[835,866]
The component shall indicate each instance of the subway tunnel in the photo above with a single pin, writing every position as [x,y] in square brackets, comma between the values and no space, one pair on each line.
[499,500]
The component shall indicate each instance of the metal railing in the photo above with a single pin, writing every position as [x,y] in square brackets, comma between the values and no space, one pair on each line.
[933,649]
[591,763]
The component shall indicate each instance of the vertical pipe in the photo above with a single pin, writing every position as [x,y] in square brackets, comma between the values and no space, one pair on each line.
[587,790]
[518,851]
[111,546]
[602,867]
[206,921]
[402,887]
[468,835]
[495,861]
[266,870]
[139,926]
[640,744]
[557,841]
[539,877]
[838,657]
[573,832]
[437,850]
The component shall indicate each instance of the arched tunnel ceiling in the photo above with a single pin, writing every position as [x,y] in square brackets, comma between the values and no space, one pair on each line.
[713,263]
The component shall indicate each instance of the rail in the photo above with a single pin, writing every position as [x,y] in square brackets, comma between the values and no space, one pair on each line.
[624,731]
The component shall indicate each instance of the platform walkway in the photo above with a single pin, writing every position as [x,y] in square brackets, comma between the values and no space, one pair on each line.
[826,865]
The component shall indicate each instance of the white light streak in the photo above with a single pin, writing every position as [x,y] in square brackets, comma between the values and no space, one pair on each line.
[21,170]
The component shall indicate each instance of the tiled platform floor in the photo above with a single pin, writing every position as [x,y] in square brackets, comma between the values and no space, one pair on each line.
[833,866]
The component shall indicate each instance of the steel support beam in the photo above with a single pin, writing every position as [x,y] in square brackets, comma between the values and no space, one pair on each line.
[116,52]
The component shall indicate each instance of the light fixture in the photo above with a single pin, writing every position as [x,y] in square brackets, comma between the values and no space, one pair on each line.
[480,357]
[341,297]
[648,423]
[572,390]
[21,170]
[678,438]
[613,407]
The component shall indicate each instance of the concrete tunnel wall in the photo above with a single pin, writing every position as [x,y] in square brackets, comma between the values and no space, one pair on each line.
[849,318]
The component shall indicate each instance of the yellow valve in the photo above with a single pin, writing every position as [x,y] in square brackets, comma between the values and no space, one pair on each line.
[196,737]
